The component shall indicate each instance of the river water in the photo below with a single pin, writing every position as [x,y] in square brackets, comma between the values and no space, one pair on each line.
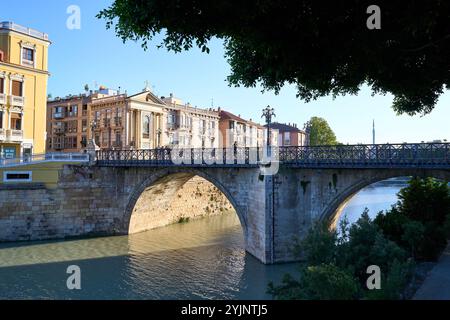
[203,259]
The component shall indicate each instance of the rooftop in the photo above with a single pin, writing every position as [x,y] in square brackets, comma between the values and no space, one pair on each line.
[285,127]
[8,25]
[228,115]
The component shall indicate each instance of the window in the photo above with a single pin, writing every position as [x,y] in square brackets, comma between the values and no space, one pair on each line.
[28,55]
[146,127]
[1,119]
[16,89]
[2,56]
[73,111]
[83,141]
[84,125]
[2,81]
[118,139]
[17,176]
[16,121]
[287,138]
[171,118]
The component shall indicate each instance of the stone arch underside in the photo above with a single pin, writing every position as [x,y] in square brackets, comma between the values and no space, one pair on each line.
[334,208]
[157,201]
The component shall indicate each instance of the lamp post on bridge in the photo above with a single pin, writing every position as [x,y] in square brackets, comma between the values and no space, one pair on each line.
[268,113]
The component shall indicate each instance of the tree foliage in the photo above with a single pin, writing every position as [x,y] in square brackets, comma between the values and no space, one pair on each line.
[419,222]
[323,47]
[320,133]
[336,264]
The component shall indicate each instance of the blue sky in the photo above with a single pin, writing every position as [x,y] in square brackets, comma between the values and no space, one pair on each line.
[95,55]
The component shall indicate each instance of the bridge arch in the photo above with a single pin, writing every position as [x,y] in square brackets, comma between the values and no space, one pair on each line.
[333,210]
[171,179]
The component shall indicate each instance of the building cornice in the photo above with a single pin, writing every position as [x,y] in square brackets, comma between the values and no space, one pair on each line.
[13,65]
[11,27]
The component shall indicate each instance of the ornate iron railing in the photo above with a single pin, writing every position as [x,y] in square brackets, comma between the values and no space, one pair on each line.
[434,155]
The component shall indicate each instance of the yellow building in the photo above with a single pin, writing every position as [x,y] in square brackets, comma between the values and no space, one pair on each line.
[23,90]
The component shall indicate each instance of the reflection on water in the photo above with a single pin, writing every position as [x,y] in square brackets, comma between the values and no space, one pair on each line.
[203,259]
[376,197]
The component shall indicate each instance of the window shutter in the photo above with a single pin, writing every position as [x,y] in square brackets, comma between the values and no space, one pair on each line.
[16,88]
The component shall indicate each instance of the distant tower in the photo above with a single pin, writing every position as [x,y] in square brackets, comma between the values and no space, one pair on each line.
[373,132]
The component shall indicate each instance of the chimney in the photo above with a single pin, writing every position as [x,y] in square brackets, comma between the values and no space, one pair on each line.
[171,95]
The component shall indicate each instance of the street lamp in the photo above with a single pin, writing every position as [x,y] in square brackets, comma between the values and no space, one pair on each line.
[268,113]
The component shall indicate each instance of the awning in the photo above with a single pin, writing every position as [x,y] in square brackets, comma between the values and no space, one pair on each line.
[15,115]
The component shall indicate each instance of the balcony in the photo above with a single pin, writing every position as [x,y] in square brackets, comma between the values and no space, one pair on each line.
[2,134]
[59,115]
[17,101]
[118,121]
[172,126]
[14,135]
[59,131]
[2,98]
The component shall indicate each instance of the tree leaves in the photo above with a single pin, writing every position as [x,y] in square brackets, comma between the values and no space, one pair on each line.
[322,47]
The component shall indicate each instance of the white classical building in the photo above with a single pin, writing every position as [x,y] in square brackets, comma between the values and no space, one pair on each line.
[189,127]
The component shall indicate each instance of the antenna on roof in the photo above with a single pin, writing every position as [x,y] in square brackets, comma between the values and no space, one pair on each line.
[212,102]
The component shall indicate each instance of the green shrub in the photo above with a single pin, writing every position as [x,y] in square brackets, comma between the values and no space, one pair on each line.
[417,222]
[425,200]
[367,245]
[322,282]
[393,283]
[318,246]
[336,265]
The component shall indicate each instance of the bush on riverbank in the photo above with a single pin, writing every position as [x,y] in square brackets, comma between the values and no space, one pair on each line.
[420,221]
[415,229]
[345,256]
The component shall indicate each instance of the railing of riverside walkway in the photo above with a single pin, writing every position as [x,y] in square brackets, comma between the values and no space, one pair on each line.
[47,157]
[423,155]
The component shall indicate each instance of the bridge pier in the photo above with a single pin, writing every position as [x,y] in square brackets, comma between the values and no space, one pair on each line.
[273,210]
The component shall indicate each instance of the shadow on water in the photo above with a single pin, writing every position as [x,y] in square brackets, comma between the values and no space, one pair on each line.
[203,259]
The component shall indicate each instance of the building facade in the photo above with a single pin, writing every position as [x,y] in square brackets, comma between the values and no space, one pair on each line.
[236,131]
[23,90]
[189,127]
[289,135]
[68,123]
[128,122]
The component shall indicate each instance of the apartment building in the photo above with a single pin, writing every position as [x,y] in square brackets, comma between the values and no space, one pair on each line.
[189,127]
[23,90]
[289,135]
[68,123]
[236,131]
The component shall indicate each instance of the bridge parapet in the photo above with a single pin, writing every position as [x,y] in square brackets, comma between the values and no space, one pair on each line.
[423,155]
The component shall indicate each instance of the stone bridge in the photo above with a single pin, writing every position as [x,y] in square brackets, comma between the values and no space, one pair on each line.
[274,209]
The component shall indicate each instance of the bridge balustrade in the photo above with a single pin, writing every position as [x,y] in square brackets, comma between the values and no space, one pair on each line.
[345,156]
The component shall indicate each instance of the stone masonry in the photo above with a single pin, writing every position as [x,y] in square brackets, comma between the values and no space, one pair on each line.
[100,201]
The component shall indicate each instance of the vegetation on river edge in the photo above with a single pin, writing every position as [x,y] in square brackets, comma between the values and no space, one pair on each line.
[414,230]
